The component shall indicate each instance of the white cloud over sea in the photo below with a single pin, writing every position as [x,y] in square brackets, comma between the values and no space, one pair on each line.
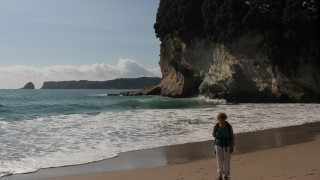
[18,76]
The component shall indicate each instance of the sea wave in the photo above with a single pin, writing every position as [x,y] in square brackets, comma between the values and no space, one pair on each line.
[169,103]
[27,112]
[59,140]
[4,109]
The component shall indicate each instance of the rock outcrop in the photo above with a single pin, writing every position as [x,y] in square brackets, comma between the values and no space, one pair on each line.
[178,77]
[123,83]
[237,73]
[29,85]
[242,51]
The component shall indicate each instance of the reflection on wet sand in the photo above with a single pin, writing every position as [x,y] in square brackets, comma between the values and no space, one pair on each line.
[185,153]
[245,143]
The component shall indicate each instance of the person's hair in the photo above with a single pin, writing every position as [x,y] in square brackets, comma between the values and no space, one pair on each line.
[221,115]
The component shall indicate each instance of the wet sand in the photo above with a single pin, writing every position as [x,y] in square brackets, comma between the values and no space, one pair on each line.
[282,153]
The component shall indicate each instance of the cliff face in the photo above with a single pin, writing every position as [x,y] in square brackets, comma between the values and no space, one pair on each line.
[178,77]
[243,51]
[236,73]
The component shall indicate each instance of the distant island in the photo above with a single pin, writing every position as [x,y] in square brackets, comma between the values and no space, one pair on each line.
[122,83]
[29,85]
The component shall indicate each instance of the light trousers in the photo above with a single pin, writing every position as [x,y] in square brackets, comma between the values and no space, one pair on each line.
[223,160]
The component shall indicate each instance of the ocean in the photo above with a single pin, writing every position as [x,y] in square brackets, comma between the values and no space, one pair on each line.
[53,128]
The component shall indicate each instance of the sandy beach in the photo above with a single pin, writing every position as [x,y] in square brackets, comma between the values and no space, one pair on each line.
[299,161]
[282,153]
[289,161]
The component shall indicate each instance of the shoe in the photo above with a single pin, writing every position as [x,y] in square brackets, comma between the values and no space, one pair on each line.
[226,177]
[220,177]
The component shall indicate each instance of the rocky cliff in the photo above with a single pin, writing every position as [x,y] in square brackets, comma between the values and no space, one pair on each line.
[237,73]
[237,70]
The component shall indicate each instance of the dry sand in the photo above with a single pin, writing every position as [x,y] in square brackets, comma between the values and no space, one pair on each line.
[286,153]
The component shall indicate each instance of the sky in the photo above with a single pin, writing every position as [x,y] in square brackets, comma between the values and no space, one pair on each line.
[57,40]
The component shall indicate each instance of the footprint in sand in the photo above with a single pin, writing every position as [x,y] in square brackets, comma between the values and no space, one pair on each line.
[310,174]
[279,176]
[292,177]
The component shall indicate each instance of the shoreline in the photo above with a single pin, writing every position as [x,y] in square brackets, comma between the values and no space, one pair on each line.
[180,155]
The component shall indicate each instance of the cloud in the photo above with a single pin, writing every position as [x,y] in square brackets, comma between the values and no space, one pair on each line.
[17,76]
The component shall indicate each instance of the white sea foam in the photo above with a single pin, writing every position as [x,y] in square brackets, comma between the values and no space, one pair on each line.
[52,141]
[100,95]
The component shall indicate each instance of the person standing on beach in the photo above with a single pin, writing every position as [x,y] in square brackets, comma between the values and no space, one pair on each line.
[224,142]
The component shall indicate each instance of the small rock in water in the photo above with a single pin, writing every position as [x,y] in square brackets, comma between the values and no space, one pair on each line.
[126,94]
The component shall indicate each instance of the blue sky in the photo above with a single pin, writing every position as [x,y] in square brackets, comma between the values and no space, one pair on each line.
[44,40]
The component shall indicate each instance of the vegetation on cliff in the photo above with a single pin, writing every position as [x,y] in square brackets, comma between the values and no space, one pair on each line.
[181,18]
[288,28]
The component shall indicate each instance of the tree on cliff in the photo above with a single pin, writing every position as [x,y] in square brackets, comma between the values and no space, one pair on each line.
[222,19]
[180,18]
[289,28]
